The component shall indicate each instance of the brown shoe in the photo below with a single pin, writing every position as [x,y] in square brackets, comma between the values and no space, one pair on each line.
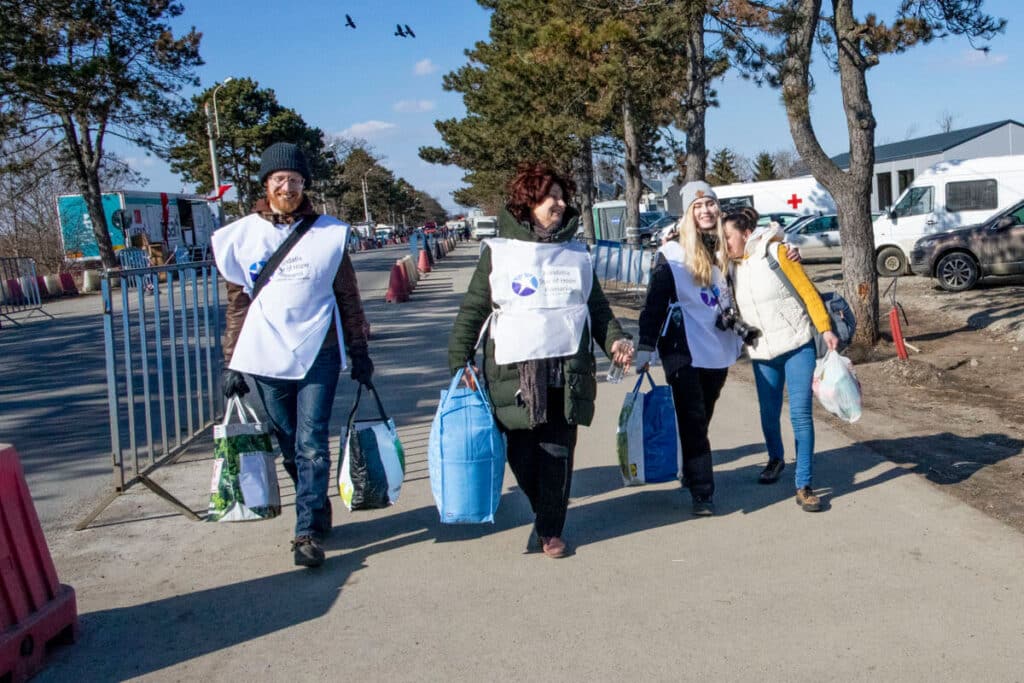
[806,499]
[553,546]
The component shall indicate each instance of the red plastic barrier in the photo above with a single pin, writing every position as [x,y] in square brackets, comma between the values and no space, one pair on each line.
[44,293]
[397,291]
[35,609]
[424,264]
[67,283]
[15,295]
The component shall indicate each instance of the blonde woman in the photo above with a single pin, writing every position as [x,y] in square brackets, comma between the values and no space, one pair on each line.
[690,319]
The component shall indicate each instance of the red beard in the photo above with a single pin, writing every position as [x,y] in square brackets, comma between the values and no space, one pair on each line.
[285,202]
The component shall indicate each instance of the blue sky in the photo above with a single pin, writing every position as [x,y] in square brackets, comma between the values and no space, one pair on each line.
[367,83]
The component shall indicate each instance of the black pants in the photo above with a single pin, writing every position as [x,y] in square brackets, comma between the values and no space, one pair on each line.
[695,392]
[541,460]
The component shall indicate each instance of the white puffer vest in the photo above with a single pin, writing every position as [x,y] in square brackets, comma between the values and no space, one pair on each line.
[767,304]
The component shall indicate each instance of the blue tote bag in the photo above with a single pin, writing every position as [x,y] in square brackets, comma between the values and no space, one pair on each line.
[647,439]
[466,454]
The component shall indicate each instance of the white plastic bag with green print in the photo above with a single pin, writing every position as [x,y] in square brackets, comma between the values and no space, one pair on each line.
[244,483]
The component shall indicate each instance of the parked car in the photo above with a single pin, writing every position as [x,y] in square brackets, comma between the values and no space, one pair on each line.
[950,195]
[817,239]
[959,258]
[659,228]
[783,218]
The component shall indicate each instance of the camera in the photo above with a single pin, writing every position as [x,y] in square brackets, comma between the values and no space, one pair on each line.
[729,319]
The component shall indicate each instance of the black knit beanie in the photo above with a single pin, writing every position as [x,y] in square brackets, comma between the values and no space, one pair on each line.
[284,156]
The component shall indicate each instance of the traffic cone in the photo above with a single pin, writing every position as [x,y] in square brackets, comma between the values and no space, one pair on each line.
[397,292]
[424,264]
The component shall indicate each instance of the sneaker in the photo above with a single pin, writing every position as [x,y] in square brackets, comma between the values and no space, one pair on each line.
[770,473]
[554,546]
[308,552]
[806,499]
[533,543]
[702,506]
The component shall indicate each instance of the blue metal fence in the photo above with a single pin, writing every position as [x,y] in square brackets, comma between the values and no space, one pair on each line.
[615,262]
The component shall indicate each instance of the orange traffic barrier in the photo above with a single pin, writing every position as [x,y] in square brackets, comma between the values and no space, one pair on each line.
[424,265]
[36,610]
[412,275]
[397,291]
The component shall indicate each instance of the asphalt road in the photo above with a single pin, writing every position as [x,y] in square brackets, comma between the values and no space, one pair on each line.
[53,400]
[894,581]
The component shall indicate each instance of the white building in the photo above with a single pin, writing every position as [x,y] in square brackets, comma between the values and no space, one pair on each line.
[897,164]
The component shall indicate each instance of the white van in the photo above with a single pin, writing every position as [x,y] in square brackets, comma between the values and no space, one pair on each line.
[801,196]
[949,195]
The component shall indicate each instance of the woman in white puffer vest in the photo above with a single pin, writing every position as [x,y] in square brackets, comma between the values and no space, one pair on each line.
[784,355]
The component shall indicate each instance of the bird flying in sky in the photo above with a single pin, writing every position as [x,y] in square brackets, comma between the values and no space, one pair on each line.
[404,33]
[349,22]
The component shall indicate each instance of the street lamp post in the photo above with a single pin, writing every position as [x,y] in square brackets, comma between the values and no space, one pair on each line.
[213,132]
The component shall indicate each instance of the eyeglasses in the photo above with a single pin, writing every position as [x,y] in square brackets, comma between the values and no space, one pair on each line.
[279,180]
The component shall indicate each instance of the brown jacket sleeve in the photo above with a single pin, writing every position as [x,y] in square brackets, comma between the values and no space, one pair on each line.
[238,306]
[350,306]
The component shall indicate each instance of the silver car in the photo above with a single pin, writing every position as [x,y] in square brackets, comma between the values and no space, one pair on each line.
[817,239]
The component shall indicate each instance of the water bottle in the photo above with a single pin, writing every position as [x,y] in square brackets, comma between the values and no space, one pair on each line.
[615,373]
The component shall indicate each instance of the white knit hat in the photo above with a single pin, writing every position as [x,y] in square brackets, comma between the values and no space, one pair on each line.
[694,190]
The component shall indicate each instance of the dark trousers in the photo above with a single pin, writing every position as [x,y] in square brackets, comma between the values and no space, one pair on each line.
[541,460]
[695,392]
[300,415]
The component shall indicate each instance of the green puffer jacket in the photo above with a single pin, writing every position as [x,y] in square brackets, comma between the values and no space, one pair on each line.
[580,370]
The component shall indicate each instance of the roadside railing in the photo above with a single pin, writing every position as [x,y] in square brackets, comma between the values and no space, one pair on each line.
[161,339]
[19,289]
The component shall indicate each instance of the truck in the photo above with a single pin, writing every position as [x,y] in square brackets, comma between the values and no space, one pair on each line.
[166,219]
[482,227]
[947,196]
[801,196]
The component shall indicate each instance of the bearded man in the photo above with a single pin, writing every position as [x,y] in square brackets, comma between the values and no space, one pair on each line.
[294,332]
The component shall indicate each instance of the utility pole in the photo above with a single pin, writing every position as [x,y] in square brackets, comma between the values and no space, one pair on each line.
[366,207]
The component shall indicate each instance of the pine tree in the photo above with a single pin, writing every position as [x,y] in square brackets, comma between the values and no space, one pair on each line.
[764,167]
[723,168]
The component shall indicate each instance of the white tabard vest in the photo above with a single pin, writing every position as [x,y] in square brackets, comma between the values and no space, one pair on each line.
[287,323]
[540,292]
[710,347]
[768,305]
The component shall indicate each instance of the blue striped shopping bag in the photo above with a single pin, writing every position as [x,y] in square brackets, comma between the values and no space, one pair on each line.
[466,454]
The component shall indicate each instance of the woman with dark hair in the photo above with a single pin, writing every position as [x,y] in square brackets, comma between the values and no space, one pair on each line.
[534,296]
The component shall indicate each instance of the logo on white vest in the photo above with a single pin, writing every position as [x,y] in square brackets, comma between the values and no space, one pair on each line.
[255,269]
[525,284]
[709,296]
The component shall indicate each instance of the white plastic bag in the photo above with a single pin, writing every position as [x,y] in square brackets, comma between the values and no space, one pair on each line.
[836,386]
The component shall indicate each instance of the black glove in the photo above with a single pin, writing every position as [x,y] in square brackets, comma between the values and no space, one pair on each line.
[362,367]
[234,383]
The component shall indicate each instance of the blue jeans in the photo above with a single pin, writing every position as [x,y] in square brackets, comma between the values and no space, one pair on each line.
[300,416]
[794,370]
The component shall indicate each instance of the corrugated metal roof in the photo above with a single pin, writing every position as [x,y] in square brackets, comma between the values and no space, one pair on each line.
[928,145]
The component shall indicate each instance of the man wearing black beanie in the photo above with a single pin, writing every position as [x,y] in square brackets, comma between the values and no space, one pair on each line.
[303,326]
